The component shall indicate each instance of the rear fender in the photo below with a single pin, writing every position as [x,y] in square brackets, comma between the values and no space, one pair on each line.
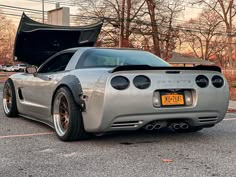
[73,83]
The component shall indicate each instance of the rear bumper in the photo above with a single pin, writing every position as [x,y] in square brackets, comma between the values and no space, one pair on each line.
[132,114]
[134,122]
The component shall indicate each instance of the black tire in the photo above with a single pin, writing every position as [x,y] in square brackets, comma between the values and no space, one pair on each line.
[9,99]
[68,122]
[189,130]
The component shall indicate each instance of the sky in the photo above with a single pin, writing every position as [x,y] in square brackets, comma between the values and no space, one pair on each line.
[30,4]
[37,5]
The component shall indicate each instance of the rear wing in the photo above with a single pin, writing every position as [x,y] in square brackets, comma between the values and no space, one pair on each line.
[168,68]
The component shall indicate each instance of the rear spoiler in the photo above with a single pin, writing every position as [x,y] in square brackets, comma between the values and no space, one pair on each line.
[147,67]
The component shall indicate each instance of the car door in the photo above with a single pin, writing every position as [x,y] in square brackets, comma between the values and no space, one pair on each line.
[38,88]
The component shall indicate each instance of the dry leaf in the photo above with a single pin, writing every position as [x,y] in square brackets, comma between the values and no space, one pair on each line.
[167,160]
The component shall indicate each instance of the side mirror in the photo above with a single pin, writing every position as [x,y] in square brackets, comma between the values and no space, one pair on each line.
[31,70]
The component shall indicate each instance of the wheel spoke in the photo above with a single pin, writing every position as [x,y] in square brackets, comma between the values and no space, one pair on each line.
[62,109]
[62,115]
[66,125]
[7,97]
[64,103]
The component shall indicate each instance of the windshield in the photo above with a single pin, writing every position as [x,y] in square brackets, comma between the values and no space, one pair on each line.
[117,57]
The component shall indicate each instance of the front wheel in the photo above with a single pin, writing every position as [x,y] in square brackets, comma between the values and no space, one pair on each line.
[67,117]
[9,99]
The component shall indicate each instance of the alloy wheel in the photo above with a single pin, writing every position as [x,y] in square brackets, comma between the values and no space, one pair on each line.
[61,114]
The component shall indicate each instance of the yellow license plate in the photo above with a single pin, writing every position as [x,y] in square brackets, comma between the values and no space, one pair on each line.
[172,99]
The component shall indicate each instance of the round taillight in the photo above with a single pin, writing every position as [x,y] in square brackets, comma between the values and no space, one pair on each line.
[217,81]
[120,82]
[142,82]
[202,81]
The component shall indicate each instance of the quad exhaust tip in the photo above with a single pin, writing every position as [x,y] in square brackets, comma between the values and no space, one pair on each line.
[149,127]
[156,125]
[180,125]
[161,124]
[175,126]
[184,125]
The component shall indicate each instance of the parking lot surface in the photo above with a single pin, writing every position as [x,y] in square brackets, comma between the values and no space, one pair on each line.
[31,149]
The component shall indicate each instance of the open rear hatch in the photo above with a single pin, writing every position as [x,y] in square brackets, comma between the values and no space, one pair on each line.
[35,42]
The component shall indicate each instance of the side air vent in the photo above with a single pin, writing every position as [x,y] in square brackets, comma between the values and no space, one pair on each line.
[20,94]
[126,124]
[207,119]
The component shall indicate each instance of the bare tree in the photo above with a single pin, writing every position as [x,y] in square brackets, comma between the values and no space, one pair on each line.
[136,23]
[118,15]
[155,31]
[170,31]
[201,34]
[7,35]
[162,15]
[226,9]
[219,50]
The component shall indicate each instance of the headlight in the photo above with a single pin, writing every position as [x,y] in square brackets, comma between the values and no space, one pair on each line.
[202,81]
[120,82]
[141,82]
[217,81]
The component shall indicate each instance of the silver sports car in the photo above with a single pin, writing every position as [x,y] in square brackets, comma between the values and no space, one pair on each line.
[85,90]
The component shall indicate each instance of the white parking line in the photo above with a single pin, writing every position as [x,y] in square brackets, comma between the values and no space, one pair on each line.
[230,119]
[26,135]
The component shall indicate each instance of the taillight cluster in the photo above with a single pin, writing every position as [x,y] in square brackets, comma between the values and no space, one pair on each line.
[143,82]
[202,81]
[217,81]
[122,83]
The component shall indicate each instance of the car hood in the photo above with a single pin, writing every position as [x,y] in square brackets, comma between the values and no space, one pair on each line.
[35,42]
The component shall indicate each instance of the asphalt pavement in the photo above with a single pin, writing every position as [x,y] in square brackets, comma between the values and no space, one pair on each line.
[31,149]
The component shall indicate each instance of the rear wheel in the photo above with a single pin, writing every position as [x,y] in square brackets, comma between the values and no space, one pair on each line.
[9,99]
[67,117]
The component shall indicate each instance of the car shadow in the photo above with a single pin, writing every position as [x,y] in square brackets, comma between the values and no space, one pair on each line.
[148,137]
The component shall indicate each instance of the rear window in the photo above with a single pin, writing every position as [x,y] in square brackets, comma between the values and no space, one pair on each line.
[115,57]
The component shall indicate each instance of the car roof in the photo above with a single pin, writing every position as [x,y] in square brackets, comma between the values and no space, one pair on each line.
[86,48]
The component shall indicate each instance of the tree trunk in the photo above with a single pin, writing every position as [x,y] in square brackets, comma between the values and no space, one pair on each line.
[127,28]
[155,33]
[122,24]
[229,48]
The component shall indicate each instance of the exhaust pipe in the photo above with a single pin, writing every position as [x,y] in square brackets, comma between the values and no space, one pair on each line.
[175,126]
[184,125]
[149,127]
[157,126]
[160,124]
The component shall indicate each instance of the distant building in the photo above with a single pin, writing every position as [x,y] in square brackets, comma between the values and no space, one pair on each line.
[179,59]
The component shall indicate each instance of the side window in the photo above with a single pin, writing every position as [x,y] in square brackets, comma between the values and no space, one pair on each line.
[58,63]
